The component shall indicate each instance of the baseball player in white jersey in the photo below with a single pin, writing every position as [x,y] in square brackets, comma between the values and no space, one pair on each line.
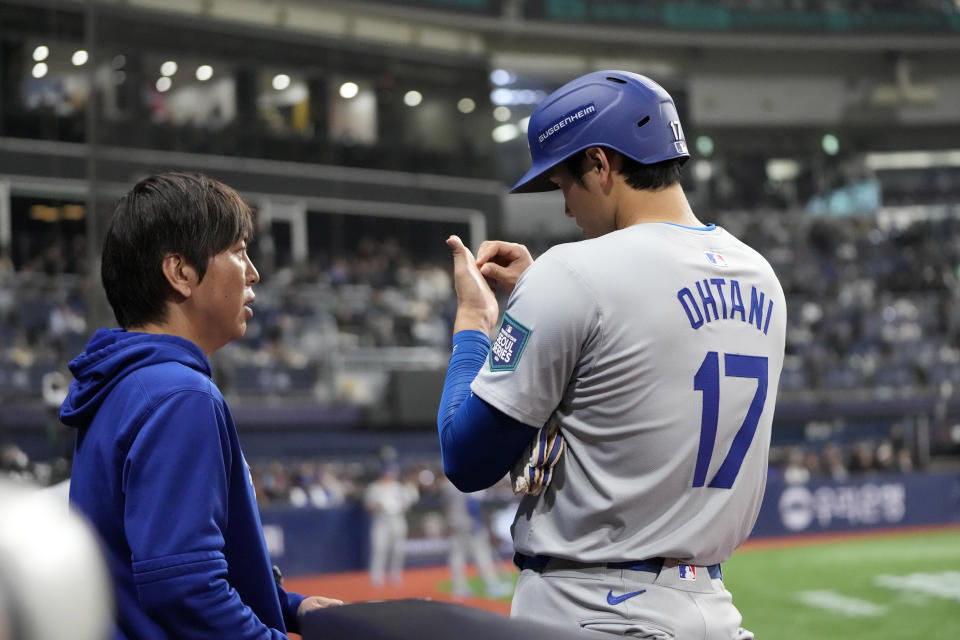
[388,499]
[654,345]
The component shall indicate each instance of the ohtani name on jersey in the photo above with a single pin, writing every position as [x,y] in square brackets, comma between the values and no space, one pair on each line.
[721,299]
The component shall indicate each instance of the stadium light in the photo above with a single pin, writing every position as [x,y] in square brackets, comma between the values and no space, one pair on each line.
[702,170]
[281,81]
[168,68]
[349,90]
[830,144]
[39,70]
[466,105]
[505,133]
[501,114]
[40,53]
[79,57]
[782,169]
[204,72]
[882,160]
[704,145]
[501,96]
[524,124]
[501,77]
[412,98]
[164,84]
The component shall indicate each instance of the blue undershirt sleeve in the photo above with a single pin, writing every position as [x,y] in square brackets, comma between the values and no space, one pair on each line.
[478,443]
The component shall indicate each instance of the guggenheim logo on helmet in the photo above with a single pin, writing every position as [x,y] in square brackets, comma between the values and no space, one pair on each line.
[577,116]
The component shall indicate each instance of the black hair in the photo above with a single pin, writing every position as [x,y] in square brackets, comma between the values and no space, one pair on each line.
[636,174]
[176,212]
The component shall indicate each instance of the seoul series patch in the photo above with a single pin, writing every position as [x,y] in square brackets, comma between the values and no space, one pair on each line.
[687,572]
[716,259]
[509,345]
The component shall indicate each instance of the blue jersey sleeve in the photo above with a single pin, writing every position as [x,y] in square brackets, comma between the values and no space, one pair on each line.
[478,443]
[175,482]
[290,604]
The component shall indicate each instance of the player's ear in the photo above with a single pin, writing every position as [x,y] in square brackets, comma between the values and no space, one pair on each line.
[602,161]
[596,158]
[180,275]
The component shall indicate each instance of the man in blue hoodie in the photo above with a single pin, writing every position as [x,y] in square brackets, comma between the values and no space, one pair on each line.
[157,465]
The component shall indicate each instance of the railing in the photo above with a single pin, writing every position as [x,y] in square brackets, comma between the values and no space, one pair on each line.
[732,15]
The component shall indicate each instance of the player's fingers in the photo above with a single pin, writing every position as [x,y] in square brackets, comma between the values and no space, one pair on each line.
[459,250]
[488,249]
[330,602]
[497,251]
[312,603]
[493,271]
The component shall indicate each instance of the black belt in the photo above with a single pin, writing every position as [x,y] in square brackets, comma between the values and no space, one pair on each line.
[652,565]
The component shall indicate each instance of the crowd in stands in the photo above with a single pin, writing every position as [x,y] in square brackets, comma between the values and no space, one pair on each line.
[871,308]
[17,467]
[839,461]
[325,329]
[321,482]
[872,315]
[306,319]
[325,484]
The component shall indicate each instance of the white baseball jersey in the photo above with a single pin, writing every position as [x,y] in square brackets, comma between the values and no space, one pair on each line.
[657,349]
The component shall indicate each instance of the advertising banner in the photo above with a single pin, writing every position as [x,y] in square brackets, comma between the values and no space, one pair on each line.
[870,502]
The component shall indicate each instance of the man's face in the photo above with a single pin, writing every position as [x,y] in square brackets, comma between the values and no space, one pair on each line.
[580,200]
[221,298]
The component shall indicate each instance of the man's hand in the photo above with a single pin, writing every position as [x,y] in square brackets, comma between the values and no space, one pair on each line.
[477,307]
[316,602]
[503,262]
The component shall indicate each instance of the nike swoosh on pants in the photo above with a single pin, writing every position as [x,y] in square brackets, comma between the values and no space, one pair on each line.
[612,599]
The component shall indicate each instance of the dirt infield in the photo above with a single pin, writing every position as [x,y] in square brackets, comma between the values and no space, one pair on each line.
[432,583]
[783,542]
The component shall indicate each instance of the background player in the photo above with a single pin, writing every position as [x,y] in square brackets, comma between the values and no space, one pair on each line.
[388,500]
[470,539]
[655,345]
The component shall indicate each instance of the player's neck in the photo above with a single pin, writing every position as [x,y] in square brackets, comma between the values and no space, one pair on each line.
[177,323]
[662,205]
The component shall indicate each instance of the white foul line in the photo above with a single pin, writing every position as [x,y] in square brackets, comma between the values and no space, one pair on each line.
[837,603]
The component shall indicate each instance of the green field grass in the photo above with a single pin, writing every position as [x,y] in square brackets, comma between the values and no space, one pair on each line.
[896,587]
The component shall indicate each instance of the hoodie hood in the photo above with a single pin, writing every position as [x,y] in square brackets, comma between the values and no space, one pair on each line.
[113,354]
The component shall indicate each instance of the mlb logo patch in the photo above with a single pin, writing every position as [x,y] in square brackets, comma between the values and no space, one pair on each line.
[509,345]
[687,572]
[716,259]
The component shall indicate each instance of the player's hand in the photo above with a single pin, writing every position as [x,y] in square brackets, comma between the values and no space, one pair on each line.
[316,602]
[502,263]
[477,307]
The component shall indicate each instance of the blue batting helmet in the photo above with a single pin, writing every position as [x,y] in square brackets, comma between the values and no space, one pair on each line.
[618,109]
